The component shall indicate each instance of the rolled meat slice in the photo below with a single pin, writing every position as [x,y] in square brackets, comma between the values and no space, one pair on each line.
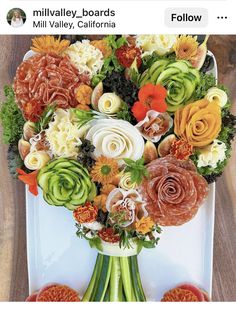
[174,191]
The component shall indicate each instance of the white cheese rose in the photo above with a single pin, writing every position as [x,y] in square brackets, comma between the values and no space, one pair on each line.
[36,160]
[109,103]
[161,44]
[116,139]
[212,154]
[125,182]
[217,95]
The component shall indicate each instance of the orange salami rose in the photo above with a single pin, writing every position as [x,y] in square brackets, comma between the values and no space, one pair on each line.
[86,214]
[199,123]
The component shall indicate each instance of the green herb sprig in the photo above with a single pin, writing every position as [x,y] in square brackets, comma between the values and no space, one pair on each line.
[137,169]
[111,63]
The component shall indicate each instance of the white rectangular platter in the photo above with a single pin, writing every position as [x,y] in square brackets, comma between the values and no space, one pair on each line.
[56,254]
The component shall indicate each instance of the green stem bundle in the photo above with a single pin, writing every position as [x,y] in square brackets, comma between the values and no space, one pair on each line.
[115,279]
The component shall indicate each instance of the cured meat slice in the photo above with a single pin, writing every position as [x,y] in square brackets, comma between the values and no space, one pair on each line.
[47,79]
[174,191]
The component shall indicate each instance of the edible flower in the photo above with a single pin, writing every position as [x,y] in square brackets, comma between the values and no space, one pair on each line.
[32,110]
[108,234]
[83,94]
[144,225]
[181,149]
[104,170]
[100,202]
[49,44]
[127,54]
[151,97]
[29,179]
[186,47]
[86,213]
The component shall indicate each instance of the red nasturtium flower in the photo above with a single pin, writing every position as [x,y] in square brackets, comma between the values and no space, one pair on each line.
[151,97]
[108,234]
[181,149]
[32,110]
[86,213]
[29,179]
[127,54]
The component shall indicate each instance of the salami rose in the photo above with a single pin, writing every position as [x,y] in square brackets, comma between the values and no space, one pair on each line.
[174,191]
[47,79]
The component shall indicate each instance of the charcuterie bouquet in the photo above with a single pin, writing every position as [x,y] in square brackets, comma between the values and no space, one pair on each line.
[126,132]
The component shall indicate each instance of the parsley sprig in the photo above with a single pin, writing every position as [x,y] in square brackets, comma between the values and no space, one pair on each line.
[137,169]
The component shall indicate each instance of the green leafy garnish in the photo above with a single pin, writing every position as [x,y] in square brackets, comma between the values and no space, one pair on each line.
[137,170]
[45,118]
[111,63]
[11,118]
[124,113]
[207,81]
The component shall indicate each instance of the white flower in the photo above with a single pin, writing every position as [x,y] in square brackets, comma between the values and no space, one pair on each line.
[217,95]
[36,160]
[63,134]
[116,139]
[212,154]
[109,103]
[161,44]
[85,57]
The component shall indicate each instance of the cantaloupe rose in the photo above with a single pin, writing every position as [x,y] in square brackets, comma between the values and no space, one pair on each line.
[199,122]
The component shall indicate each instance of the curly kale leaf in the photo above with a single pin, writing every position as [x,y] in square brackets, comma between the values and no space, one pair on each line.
[207,81]
[11,118]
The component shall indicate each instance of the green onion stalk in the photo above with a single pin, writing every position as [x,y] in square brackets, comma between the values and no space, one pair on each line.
[115,279]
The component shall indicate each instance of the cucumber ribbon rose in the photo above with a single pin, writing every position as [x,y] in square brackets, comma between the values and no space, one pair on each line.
[66,183]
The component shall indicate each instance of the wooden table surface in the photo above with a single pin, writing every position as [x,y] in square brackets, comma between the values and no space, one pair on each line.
[13,261]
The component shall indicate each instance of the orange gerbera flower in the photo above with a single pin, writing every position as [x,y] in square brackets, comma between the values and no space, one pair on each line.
[186,47]
[49,44]
[151,97]
[104,170]
[181,149]
[86,214]
[144,225]
[29,179]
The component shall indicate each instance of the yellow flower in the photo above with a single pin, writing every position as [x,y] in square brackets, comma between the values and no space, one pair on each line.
[186,47]
[83,94]
[144,225]
[104,170]
[49,44]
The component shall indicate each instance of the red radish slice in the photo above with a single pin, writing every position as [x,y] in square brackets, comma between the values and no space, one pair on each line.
[32,297]
[195,290]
